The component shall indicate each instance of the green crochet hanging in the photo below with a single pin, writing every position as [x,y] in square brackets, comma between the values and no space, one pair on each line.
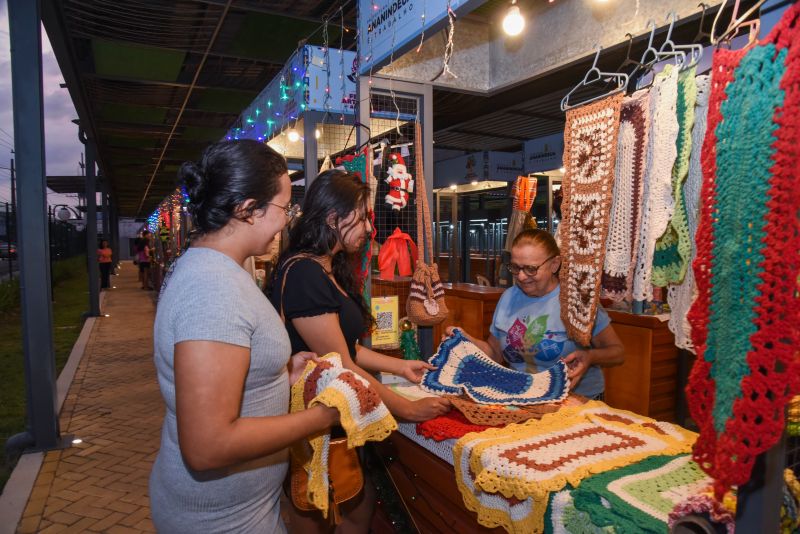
[408,341]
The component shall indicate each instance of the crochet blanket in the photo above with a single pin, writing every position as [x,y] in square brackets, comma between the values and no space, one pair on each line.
[746,316]
[626,208]
[590,152]
[680,296]
[640,497]
[528,461]
[671,257]
[562,517]
[448,426]
[362,414]
[661,153]
[461,367]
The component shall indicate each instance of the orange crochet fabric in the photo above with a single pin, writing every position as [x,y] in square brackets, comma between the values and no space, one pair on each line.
[448,426]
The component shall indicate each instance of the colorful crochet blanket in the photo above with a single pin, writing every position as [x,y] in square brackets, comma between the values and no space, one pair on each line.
[640,497]
[452,425]
[528,461]
[562,517]
[671,257]
[362,414]
[590,152]
[626,209]
[461,367]
[680,296]
[745,321]
[658,203]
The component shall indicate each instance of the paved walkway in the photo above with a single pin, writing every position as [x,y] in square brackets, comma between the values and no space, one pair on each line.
[115,407]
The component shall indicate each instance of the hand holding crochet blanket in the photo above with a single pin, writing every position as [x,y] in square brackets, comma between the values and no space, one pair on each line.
[363,416]
[461,367]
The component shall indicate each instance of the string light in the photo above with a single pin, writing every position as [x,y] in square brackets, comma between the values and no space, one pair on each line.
[514,22]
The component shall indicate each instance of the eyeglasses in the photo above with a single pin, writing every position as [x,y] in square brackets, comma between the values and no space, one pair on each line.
[529,270]
[291,210]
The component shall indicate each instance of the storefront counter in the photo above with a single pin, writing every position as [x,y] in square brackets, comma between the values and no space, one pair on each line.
[427,486]
[647,383]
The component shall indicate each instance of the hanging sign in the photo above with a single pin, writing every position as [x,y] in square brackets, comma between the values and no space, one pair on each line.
[387,26]
[385,311]
[544,153]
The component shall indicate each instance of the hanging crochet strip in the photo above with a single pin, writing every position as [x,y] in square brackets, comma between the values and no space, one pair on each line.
[671,257]
[640,497]
[530,460]
[361,413]
[590,151]
[661,154]
[680,296]
[463,367]
[745,319]
[626,208]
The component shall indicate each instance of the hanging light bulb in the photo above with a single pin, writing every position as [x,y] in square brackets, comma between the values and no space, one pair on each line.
[317,134]
[293,136]
[514,22]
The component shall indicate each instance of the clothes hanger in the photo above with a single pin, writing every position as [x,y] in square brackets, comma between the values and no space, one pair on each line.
[695,51]
[356,124]
[736,24]
[652,56]
[628,59]
[701,33]
[594,75]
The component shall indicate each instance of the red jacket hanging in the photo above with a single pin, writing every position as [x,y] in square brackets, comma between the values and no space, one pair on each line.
[399,249]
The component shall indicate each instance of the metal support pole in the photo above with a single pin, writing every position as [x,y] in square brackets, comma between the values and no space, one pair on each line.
[310,166]
[758,503]
[114,233]
[104,203]
[91,231]
[34,254]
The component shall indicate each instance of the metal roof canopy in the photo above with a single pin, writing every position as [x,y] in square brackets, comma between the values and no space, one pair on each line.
[155,82]
[67,184]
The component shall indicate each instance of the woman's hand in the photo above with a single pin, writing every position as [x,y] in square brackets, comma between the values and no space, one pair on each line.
[450,330]
[412,370]
[578,363]
[424,409]
[297,364]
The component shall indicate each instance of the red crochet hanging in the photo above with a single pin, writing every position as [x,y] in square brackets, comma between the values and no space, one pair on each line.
[730,439]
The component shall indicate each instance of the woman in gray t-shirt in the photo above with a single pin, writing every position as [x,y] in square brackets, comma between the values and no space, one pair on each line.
[223,355]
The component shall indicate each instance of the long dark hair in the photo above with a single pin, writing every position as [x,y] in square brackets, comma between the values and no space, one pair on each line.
[228,174]
[336,193]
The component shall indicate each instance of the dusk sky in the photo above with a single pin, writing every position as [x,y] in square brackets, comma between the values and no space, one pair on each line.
[63,150]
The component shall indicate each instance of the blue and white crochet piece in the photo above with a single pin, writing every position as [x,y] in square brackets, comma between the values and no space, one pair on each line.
[461,367]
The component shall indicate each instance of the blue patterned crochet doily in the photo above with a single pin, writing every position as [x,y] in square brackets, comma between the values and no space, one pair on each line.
[461,367]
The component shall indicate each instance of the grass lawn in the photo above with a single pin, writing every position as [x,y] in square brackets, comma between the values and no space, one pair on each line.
[70,302]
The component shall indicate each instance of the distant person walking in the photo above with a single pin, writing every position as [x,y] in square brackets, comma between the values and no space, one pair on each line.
[104,253]
[143,259]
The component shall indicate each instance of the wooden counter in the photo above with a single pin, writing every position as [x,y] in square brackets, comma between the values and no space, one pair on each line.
[647,383]
[427,486]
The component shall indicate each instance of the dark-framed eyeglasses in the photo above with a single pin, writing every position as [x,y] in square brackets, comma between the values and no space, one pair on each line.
[291,210]
[530,270]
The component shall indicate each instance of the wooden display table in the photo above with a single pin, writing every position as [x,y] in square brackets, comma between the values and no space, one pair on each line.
[427,487]
[647,383]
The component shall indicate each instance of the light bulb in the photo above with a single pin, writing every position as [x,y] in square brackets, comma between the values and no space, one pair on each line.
[514,22]
[474,182]
[316,134]
[293,136]
[562,170]
[453,187]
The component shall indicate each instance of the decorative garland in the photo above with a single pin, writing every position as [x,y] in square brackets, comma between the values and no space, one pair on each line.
[590,151]
[673,248]
[626,210]
[746,316]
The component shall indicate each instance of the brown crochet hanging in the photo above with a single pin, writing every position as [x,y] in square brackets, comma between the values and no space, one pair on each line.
[425,305]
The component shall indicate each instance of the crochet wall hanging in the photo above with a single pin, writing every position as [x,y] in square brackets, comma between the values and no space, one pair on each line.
[361,413]
[671,256]
[746,316]
[523,193]
[400,252]
[461,367]
[640,497]
[401,183]
[658,203]
[626,208]
[590,152]
[680,296]
[530,460]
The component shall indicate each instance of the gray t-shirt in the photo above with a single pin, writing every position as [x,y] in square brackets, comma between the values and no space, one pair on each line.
[208,297]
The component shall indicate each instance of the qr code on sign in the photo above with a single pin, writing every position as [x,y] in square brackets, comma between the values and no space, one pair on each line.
[384,320]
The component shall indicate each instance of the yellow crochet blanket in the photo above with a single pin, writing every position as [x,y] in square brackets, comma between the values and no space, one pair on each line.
[362,414]
[505,475]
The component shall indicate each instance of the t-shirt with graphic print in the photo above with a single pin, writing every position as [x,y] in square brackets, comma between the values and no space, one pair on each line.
[532,336]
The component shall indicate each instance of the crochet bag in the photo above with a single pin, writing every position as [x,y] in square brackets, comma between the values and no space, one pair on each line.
[425,305]
[344,470]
